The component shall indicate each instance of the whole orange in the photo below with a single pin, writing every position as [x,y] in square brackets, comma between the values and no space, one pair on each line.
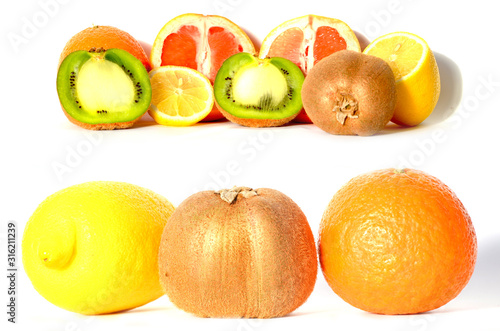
[396,242]
[101,36]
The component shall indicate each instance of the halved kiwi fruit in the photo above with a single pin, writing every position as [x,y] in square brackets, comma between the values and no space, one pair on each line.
[103,89]
[258,92]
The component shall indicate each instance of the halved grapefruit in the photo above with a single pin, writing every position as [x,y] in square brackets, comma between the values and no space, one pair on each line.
[200,42]
[306,40]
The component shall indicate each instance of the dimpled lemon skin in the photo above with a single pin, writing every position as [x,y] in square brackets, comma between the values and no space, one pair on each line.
[92,248]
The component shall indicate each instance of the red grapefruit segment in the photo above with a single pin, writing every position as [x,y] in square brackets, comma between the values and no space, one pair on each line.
[328,41]
[222,44]
[180,48]
[288,45]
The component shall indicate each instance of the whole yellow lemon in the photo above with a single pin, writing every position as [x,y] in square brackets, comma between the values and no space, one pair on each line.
[92,248]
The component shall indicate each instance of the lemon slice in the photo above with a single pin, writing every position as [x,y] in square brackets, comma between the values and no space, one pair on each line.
[416,72]
[181,96]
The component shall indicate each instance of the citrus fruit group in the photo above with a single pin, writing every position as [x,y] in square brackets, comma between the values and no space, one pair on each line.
[200,42]
[416,72]
[396,242]
[181,96]
[92,248]
[105,37]
[306,40]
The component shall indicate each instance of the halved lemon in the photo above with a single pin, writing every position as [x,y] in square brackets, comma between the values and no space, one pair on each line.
[416,72]
[181,96]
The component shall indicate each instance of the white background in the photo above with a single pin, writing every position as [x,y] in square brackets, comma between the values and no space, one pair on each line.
[457,144]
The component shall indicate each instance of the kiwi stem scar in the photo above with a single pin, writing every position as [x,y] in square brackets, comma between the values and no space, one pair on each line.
[230,195]
[345,107]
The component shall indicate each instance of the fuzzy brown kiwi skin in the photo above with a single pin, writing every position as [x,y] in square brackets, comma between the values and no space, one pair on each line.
[253,122]
[364,78]
[252,257]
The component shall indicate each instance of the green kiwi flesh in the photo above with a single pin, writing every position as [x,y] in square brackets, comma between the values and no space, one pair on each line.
[103,89]
[258,92]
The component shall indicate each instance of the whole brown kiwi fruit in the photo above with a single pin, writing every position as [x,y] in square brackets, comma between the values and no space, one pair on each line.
[238,253]
[350,93]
